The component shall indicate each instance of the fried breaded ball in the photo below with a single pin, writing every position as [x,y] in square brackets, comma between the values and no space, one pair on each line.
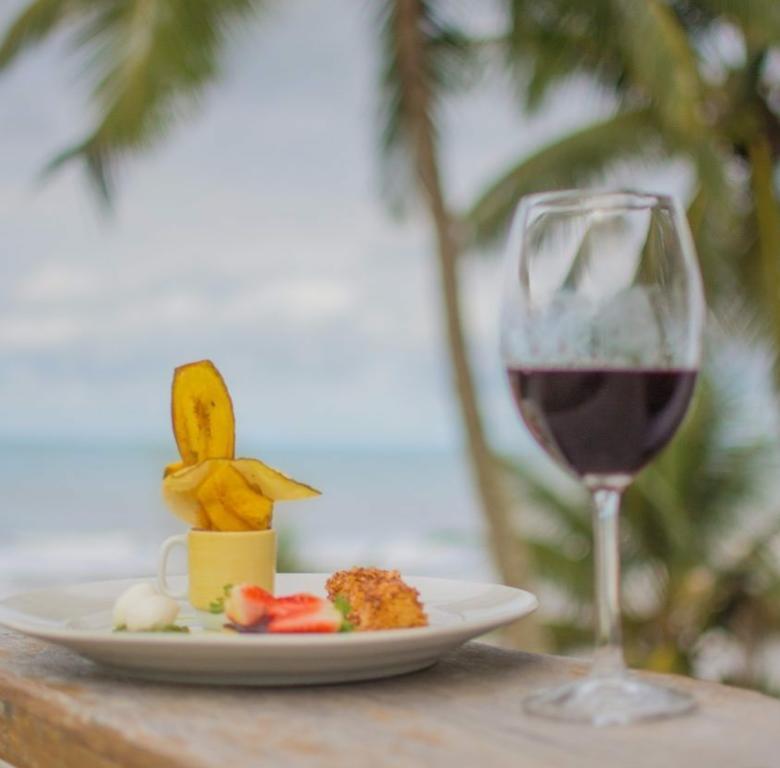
[377,599]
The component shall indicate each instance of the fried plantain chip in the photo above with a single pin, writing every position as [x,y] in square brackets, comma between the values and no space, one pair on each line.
[230,503]
[187,479]
[174,467]
[183,502]
[272,483]
[209,488]
[202,413]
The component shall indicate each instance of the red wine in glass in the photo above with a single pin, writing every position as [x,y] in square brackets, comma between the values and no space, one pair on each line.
[601,335]
[602,421]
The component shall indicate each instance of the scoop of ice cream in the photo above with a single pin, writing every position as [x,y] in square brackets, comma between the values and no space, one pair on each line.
[151,613]
[131,595]
[141,608]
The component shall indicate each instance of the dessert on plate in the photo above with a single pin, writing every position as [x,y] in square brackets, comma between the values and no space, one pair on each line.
[377,599]
[141,608]
[229,502]
[359,600]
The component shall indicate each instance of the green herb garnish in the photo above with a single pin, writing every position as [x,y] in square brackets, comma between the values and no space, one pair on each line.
[176,628]
[218,605]
[341,604]
[166,628]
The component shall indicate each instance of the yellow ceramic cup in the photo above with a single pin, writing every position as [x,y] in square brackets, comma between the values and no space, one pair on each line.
[218,558]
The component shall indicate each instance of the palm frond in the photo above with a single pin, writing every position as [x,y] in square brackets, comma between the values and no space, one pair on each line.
[38,20]
[149,61]
[570,516]
[547,43]
[662,62]
[568,635]
[553,565]
[716,224]
[759,19]
[573,160]
[415,72]
[768,220]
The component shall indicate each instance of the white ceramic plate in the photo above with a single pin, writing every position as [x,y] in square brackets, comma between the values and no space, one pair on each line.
[79,617]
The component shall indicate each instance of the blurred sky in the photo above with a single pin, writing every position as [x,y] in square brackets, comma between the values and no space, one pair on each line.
[255,235]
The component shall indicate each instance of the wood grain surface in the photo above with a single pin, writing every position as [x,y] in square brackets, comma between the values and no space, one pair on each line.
[60,711]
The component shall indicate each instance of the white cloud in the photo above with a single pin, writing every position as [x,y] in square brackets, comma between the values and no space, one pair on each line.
[55,282]
[303,301]
[19,332]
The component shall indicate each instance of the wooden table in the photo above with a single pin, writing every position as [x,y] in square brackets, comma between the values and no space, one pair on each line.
[60,711]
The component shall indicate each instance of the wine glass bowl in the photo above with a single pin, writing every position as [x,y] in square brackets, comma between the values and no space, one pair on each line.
[601,333]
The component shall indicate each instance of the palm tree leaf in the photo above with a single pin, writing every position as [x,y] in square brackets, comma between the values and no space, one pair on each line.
[96,164]
[716,223]
[550,42]
[568,635]
[554,566]
[661,61]
[760,19]
[38,20]
[149,61]
[768,220]
[571,516]
[575,159]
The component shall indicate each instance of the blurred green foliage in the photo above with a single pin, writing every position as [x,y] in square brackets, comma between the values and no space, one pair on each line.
[288,558]
[700,523]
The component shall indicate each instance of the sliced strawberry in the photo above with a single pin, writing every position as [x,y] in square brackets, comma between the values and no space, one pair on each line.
[252,608]
[325,618]
[248,605]
[295,605]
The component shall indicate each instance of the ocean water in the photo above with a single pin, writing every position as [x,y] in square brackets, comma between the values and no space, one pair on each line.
[93,511]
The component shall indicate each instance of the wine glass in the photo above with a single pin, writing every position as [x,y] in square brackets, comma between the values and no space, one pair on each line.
[601,335]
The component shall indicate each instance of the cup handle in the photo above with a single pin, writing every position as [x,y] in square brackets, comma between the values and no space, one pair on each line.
[162,566]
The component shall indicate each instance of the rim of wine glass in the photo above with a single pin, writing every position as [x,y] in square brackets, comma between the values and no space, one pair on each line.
[618,199]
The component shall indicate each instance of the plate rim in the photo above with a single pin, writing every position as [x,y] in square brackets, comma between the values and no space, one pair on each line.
[9,618]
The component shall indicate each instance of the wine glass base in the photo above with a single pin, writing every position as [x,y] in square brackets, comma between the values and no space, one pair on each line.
[609,701]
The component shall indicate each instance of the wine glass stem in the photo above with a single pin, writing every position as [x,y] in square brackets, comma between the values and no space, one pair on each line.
[608,658]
